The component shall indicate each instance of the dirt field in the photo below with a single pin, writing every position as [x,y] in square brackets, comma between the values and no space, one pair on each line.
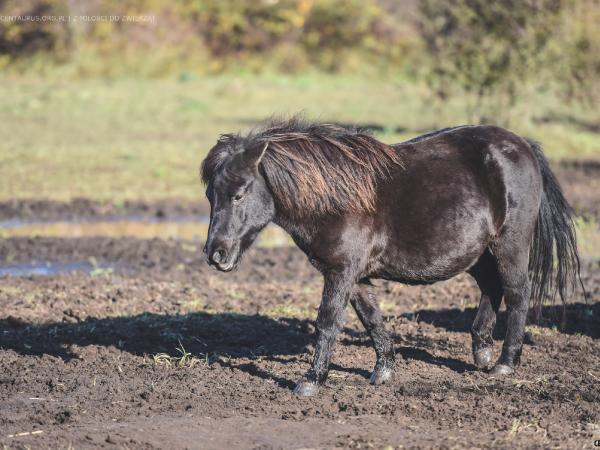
[150,348]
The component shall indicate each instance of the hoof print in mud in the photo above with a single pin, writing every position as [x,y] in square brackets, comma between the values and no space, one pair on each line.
[306,388]
[482,358]
[381,376]
[502,370]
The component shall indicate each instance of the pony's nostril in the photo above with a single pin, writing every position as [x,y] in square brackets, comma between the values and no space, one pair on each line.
[218,256]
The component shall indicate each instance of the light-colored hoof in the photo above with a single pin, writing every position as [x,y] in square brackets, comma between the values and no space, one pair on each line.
[483,358]
[502,370]
[306,388]
[381,376]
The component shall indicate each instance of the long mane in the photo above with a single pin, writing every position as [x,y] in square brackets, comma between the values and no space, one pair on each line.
[313,168]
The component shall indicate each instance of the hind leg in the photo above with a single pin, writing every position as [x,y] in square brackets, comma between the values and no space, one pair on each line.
[364,303]
[512,254]
[485,272]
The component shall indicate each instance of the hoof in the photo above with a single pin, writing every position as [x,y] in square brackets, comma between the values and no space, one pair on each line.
[306,388]
[483,357]
[381,376]
[501,370]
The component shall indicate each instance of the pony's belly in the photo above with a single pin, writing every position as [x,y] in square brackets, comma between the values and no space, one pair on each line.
[421,268]
[415,276]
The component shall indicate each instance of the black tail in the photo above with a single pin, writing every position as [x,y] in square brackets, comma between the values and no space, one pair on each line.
[554,229]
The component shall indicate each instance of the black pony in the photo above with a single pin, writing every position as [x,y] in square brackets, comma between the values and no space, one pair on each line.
[471,198]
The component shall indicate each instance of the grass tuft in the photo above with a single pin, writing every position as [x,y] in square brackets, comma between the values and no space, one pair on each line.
[185,358]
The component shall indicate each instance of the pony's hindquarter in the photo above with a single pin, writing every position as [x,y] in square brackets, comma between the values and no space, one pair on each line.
[520,263]
[457,194]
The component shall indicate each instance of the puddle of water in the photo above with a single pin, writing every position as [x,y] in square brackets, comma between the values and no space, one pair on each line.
[50,269]
[272,236]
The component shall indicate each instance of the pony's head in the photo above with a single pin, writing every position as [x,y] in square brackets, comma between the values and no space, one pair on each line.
[241,204]
[297,169]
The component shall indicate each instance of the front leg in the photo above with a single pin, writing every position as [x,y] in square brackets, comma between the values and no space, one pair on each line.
[336,292]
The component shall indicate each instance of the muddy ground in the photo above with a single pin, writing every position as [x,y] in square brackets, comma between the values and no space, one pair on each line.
[153,349]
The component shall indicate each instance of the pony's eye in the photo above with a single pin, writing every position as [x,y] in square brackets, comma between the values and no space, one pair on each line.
[237,197]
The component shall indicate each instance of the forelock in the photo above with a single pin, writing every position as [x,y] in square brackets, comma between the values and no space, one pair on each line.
[227,146]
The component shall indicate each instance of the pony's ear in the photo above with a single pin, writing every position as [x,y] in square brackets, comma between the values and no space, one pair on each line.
[253,155]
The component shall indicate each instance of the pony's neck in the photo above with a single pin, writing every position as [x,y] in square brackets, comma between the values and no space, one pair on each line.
[300,230]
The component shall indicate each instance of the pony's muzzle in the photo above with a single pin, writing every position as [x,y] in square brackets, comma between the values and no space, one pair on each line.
[215,255]
[220,257]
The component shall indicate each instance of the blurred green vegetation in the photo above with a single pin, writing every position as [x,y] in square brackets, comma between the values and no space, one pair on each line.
[133,138]
[203,37]
[458,46]
[115,110]
[495,50]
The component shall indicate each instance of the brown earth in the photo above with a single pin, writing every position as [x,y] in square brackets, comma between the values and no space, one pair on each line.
[163,352]
[86,209]
[83,359]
